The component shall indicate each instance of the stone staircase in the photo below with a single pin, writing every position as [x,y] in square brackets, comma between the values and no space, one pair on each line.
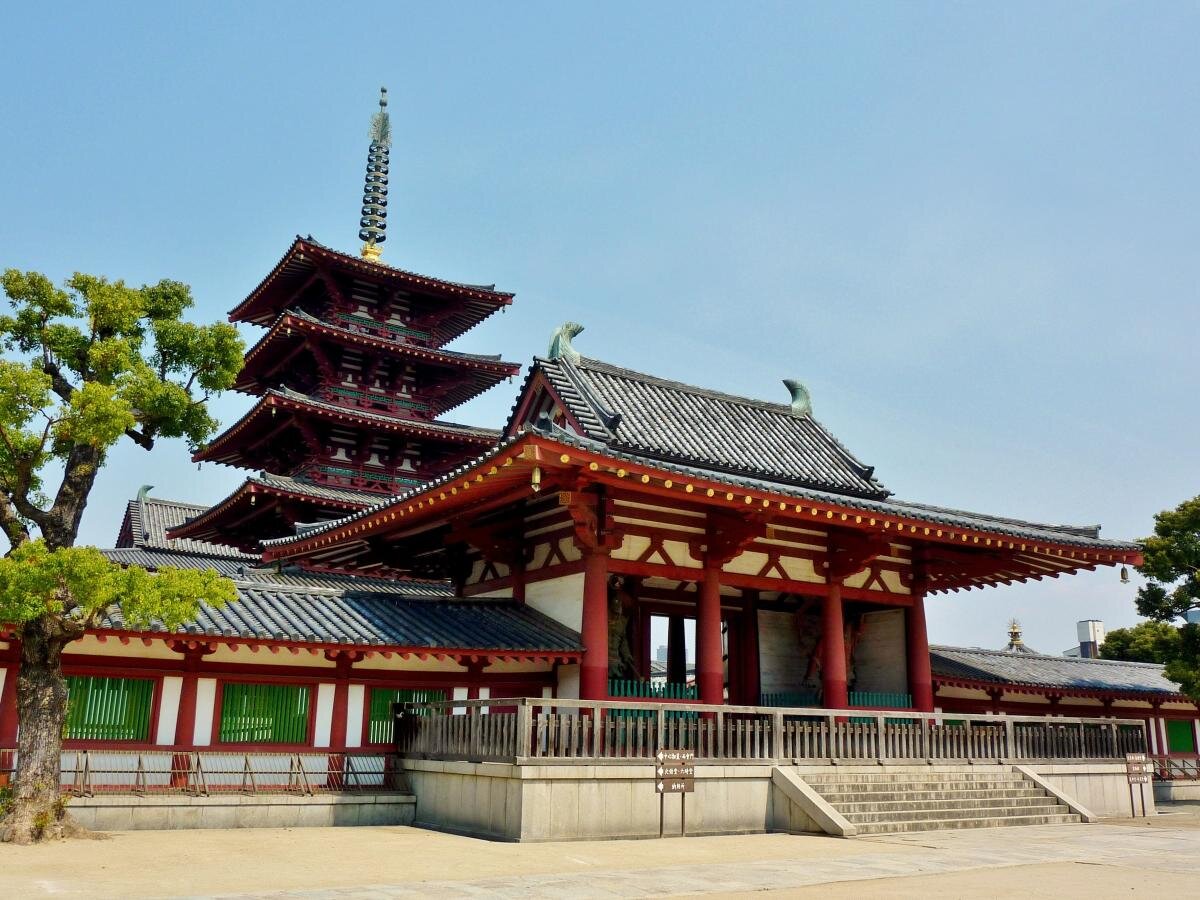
[884,800]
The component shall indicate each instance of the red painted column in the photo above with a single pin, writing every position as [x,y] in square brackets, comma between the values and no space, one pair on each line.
[185,718]
[593,673]
[833,650]
[710,668]
[920,677]
[8,710]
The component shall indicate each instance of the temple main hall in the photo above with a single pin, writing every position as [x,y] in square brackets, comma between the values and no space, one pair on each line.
[384,553]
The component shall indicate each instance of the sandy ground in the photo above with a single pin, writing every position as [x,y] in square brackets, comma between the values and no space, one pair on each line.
[1053,881]
[1159,857]
[189,863]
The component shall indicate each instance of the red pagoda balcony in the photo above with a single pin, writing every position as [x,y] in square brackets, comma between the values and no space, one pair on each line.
[362,478]
[376,401]
[360,324]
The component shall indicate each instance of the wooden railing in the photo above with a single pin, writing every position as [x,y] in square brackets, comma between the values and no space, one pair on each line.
[519,730]
[86,773]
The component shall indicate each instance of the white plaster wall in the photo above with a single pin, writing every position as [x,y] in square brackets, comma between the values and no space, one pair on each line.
[780,665]
[324,721]
[206,701]
[880,660]
[559,598]
[356,699]
[568,683]
[459,693]
[168,708]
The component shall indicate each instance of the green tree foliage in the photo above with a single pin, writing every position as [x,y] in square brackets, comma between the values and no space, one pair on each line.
[89,364]
[86,366]
[1172,564]
[80,584]
[1152,642]
[1172,570]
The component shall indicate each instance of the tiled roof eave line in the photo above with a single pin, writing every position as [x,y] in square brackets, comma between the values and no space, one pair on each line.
[491,364]
[977,522]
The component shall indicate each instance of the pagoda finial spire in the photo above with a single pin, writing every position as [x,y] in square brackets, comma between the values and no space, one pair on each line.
[373,223]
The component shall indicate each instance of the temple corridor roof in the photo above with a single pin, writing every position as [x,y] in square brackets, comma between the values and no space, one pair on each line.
[371,618]
[967,664]
[148,519]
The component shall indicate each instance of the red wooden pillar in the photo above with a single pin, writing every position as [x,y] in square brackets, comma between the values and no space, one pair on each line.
[185,718]
[710,668]
[593,673]
[8,709]
[920,677]
[341,703]
[833,650]
[748,649]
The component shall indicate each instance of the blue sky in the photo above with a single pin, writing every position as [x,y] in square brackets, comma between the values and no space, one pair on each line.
[970,230]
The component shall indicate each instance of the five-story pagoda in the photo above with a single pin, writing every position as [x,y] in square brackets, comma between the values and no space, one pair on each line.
[352,379]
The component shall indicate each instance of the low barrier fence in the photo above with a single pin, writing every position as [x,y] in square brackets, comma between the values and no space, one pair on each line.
[86,773]
[521,730]
[1176,768]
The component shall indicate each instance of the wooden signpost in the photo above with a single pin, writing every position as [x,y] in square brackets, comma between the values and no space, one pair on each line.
[674,773]
[1139,771]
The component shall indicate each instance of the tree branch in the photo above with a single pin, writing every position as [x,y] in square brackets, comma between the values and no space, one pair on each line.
[12,526]
[61,525]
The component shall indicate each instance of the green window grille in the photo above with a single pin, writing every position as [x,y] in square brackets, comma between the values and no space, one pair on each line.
[790,698]
[885,699]
[109,709]
[379,726]
[1180,736]
[264,714]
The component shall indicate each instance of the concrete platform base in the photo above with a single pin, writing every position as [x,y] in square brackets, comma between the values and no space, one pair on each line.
[130,813]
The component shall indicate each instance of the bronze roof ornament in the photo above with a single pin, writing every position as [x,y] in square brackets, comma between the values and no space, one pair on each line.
[373,224]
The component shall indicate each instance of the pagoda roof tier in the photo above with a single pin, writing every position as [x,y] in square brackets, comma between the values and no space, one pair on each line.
[655,418]
[267,506]
[262,421]
[963,549]
[459,307]
[457,377]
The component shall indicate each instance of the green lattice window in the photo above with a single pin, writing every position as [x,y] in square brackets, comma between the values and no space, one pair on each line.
[264,714]
[1180,736]
[109,709]
[379,727]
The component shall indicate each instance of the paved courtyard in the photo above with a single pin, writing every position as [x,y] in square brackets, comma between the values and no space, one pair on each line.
[1106,860]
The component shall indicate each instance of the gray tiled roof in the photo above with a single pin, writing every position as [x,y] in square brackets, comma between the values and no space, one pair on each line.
[1070,535]
[316,491]
[147,520]
[375,619]
[1032,669]
[665,420]
[251,572]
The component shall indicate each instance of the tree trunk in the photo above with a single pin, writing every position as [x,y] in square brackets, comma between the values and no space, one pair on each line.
[38,809]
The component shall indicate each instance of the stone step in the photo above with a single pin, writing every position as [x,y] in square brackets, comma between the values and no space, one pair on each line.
[980,822]
[919,786]
[960,812]
[1023,802]
[885,777]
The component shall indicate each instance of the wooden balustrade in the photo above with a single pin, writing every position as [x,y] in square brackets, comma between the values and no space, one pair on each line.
[587,731]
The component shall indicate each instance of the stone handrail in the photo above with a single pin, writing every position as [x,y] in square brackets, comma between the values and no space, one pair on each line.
[586,731]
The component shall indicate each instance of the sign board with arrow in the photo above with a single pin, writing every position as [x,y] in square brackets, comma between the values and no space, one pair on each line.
[675,772]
